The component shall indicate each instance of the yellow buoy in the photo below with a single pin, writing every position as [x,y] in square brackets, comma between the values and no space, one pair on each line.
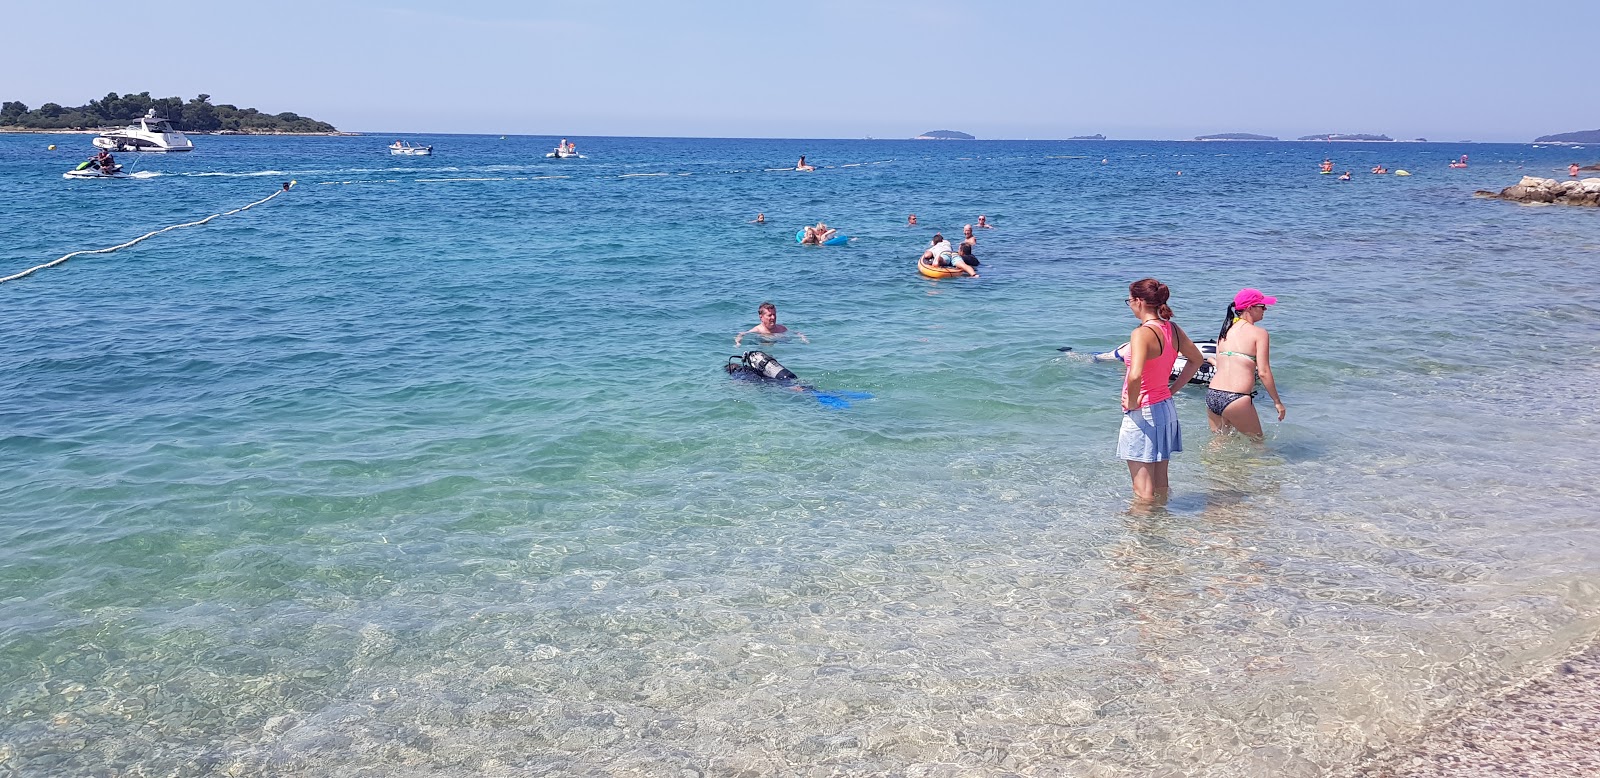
[52,147]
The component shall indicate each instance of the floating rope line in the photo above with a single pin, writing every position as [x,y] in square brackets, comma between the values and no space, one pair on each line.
[146,236]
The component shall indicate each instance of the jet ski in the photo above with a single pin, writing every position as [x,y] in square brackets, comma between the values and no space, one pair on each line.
[90,170]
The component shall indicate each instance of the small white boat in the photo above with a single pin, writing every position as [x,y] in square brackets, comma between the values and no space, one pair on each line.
[563,154]
[406,149]
[148,133]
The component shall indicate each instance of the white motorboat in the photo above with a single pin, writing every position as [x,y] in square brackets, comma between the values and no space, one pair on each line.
[147,133]
[563,154]
[406,149]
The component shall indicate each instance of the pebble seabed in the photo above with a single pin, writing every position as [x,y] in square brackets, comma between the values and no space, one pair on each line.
[1549,726]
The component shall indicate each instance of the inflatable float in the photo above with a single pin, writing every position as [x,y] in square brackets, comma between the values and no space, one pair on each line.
[931,270]
[837,240]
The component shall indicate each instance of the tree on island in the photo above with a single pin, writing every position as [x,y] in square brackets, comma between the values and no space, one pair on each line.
[197,115]
[1581,136]
[944,135]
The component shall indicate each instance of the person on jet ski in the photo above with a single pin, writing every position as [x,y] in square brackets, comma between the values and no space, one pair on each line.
[106,162]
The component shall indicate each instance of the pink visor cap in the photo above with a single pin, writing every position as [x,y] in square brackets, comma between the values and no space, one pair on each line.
[1247,298]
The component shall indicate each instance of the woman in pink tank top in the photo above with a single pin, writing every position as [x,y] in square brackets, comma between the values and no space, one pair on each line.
[1150,434]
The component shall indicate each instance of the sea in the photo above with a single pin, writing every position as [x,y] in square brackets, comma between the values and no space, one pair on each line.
[430,466]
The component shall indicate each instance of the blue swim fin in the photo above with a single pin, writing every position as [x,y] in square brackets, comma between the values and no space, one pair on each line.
[854,395]
[831,400]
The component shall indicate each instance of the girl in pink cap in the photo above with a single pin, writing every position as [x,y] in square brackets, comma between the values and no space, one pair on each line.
[1244,352]
[1150,434]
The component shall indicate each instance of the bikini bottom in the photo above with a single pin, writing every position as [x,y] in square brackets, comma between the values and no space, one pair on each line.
[1217,400]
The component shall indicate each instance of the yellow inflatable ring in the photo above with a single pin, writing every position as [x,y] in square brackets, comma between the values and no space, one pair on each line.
[934,271]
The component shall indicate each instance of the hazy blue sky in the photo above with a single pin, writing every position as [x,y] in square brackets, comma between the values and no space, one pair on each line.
[1466,69]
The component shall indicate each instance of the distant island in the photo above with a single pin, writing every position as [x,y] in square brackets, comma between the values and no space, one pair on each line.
[198,115]
[1345,136]
[1581,136]
[1234,136]
[944,135]
[1096,136]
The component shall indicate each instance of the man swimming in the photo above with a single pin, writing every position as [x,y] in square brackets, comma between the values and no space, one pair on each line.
[769,328]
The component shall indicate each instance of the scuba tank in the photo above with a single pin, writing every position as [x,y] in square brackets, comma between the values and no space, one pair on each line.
[767,367]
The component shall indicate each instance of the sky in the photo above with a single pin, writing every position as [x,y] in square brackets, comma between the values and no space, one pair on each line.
[1128,69]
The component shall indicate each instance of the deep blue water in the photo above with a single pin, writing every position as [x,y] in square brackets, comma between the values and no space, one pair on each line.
[429,466]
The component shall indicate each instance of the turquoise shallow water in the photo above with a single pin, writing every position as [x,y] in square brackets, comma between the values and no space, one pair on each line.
[428,466]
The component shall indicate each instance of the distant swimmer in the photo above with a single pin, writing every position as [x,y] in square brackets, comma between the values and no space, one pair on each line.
[1103,161]
[911,221]
[1572,170]
[761,218]
[940,255]
[1327,166]
[769,329]
[1345,177]
[824,232]
[983,223]
[1380,169]
[801,165]
[809,239]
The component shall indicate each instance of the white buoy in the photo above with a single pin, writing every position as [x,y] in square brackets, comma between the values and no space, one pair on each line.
[52,147]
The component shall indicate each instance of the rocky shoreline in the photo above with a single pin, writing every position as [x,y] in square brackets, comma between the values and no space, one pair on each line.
[36,131]
[1534,190]
[1549,726]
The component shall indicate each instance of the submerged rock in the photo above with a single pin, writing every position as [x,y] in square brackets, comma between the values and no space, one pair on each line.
[1532,189]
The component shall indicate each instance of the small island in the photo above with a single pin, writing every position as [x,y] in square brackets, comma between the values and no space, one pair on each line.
[944,135]
[1346,136]
[1234,136]
[1096,136]
[1581,136]
[199,115]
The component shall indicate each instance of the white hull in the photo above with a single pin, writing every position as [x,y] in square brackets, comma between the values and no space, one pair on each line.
[411,151]
[111,142]
[93,174]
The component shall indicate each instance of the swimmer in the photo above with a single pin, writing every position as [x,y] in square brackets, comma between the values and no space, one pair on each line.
[911,221]
[1572,170]
[968,244]
[1243,355]
[801,165]
[761,218]
[809,239]
[940,255]
[1345,177]
[983,223]
[769,329]
[1380,169]
[1327,165]
[825,233]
